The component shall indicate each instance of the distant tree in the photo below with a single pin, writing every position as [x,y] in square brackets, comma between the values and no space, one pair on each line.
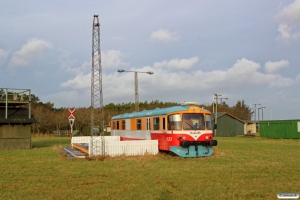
[43,113]
[83,118]
[241,110]
[60,120]
[34,98]
[50,118]
[43,116]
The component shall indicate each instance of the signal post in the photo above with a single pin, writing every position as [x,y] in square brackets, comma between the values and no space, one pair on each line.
[71,118]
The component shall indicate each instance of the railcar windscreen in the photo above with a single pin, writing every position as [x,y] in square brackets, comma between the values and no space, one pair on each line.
[193,121]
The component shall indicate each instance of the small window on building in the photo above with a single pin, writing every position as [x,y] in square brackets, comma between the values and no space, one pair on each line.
[156,123]
[123,125]
[138,124]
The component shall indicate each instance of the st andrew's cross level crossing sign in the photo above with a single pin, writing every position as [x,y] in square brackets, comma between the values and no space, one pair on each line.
[71,117]
[71,114]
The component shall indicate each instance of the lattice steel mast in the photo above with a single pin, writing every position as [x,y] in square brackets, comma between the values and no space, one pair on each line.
[97,115]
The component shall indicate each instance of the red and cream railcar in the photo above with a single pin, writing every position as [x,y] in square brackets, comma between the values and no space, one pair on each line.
[184,130]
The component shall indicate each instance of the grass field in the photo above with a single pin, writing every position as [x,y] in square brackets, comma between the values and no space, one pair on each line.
[241,168]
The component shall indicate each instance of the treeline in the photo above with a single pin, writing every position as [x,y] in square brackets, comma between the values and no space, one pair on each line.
[239,110]
[51,119]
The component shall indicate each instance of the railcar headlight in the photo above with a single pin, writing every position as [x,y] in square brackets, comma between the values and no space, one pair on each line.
[181,138]
[206,137]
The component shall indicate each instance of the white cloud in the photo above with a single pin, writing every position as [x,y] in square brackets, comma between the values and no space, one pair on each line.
[109,59]
[3,56]
[243,75]
[33,49]
[246,73]
[272,67]
[289,21]
[164,36]
[86,66]
[79,82]
[112,59]
[177,63]
[68,64]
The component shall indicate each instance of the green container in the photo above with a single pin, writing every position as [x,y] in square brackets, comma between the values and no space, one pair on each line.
[286,129]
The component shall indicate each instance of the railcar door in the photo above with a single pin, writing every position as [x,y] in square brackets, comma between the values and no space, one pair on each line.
[113,132]
[148,128]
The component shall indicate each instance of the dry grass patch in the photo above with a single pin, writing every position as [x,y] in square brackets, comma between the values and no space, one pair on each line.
[219,153]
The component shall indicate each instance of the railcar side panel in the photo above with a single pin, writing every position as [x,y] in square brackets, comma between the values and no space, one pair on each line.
[133,124]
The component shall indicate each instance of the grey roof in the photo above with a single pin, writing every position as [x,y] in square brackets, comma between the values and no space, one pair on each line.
[16,116]
[219,114]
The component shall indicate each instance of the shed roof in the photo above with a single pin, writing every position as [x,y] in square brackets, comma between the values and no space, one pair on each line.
[220,114]
[16,116]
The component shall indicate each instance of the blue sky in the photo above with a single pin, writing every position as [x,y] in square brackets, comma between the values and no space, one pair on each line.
[244,50]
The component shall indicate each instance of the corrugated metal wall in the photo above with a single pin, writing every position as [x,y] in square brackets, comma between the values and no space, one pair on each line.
[287,129]
[229,126]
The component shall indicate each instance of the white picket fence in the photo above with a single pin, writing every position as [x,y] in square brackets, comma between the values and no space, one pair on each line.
[114,147]
[62,133]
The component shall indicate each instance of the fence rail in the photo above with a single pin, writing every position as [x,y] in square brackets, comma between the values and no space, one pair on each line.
[62,133]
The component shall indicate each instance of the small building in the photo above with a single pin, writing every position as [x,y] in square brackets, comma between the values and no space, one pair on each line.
[250,127]
[227,125]
[285,129]
[15,119]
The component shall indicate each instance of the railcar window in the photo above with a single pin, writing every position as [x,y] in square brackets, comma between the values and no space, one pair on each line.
[138,124]
[193,121]
[208,122]
[174,122]
[164,123]
[123,124]
[156,123]
[148,125]
[118,126]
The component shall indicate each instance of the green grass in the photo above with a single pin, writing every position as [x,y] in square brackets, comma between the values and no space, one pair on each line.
[242,168]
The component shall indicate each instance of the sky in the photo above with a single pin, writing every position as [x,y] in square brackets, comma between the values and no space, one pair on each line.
[243,50]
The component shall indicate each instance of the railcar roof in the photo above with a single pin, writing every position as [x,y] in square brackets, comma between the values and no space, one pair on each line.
[154,112]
